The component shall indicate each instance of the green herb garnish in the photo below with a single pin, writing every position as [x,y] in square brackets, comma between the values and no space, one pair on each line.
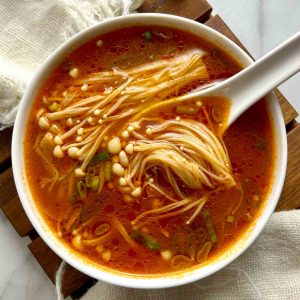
[252,192]
[146,240]
[230,219]
[148,35]
[95,183]
[260,143]
[209,226]
[81,189]
[101,156]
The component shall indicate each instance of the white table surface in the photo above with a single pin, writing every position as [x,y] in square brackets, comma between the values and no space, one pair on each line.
[260,25]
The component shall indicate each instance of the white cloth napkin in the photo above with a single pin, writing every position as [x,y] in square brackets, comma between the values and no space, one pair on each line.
[269,269]
[32,29]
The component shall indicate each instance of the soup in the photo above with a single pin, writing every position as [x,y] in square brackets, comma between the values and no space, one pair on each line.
[127,174]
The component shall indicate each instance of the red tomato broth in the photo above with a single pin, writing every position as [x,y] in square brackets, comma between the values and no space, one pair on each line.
[249,141]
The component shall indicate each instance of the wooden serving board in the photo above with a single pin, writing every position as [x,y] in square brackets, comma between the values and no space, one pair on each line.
[76,283]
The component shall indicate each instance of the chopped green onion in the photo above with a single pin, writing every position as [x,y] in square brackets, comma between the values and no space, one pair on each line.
[137,236]
[91,172]
[101,176]
[146,240]
[213,238]
[151,244]
[148,35]
[205,214]
[88,180]
[107,172]
[260,143]
[187,110]
[210,229]
[230,219]
[252,192]
[71,189]
[101,156]
[53,107]
[81,189]
[95,183]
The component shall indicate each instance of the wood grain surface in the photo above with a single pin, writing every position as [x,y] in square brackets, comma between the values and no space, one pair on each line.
[17,216]
[290,196]
[5,145]
[193,9]
[7,187]
[50,262]
[218,24]
[75,283]
[289,113]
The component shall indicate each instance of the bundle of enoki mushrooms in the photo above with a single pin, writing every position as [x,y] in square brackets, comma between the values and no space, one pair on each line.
[82,119]
[89,105]
[187,154]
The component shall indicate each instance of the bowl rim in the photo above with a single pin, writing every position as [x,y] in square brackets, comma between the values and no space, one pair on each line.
[130,280]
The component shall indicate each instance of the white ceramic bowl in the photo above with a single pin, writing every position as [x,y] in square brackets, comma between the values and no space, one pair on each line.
[39,224]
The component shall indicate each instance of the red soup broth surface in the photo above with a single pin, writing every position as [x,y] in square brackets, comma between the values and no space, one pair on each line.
[249,141]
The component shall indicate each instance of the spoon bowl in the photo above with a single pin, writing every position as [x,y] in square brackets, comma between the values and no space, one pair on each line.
[248,86]
[252,83]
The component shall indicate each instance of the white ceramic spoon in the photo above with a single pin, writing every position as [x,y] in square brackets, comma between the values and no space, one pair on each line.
[252,83]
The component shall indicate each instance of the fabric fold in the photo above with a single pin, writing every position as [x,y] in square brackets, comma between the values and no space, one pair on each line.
[31,30]
[268,270]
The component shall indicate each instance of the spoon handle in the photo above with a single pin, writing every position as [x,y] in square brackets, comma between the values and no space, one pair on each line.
[254,82]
